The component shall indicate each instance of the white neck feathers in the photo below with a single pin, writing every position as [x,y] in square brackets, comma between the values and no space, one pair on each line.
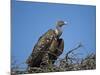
[58,31]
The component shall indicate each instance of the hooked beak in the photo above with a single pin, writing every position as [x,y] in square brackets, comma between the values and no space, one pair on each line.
[65,23]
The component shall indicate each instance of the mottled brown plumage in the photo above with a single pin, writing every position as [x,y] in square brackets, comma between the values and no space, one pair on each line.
[48,48]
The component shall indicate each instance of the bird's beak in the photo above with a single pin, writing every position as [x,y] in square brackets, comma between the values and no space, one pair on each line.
[65,23]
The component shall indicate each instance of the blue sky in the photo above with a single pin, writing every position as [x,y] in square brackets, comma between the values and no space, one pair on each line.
[32,19]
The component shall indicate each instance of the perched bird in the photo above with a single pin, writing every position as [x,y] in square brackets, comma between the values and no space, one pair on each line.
[48,48]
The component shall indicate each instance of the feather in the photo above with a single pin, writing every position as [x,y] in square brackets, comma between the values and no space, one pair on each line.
[49,47]
[40,48]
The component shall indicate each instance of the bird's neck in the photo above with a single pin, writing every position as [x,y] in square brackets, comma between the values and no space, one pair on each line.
[58,31]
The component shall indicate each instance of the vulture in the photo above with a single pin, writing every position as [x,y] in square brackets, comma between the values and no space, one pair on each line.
[48,48]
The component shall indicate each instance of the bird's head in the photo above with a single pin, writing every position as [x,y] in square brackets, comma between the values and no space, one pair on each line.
[61,23]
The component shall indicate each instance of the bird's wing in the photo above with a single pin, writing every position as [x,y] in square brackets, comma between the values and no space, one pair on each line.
[56,48]
[41,47]
[60,47]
